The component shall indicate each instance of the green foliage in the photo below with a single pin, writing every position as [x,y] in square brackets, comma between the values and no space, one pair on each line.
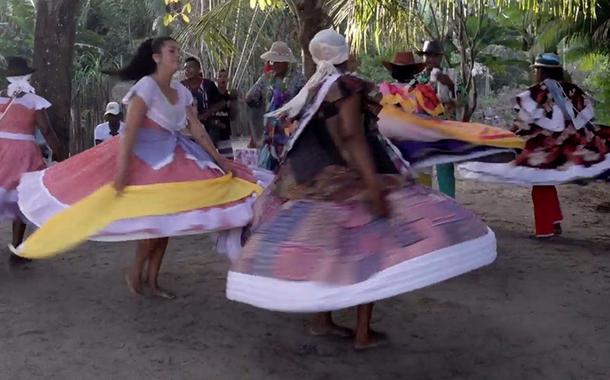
[598,81]
[267,4]
[16,28]
[372,68]
[232,35]
[583,34]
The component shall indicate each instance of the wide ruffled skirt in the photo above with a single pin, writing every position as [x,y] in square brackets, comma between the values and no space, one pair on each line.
[424,140]
[551,159]
[16,158]
[510,173]
[309,255]
[181,198]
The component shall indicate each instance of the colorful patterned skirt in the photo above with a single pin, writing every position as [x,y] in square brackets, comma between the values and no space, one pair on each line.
[318,248]
[410,119]
[184,193]
[551,158]
[18,155]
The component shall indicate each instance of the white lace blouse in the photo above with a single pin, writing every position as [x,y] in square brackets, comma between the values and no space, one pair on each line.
[159,109]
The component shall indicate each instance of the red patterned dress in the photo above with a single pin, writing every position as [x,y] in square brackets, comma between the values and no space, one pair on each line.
[563,145]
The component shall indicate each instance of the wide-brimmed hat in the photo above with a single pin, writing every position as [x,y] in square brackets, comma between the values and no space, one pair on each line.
[404,60]
[16,67]
[547,60]
[279,52]
[433,47]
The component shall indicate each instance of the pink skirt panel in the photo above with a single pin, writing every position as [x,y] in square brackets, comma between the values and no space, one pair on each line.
[17,157]
[38,206]
[86,172]
[19,119]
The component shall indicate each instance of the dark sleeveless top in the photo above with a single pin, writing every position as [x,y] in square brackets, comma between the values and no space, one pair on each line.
[315,149]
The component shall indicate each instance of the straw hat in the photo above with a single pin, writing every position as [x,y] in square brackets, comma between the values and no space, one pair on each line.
[16,67]
[279,52]
[404,60]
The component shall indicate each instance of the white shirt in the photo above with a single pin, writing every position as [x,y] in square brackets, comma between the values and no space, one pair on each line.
[102,132]
[168,116]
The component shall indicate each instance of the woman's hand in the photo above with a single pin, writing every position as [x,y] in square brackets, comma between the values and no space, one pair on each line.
[136,112]
[225,164]
[379,204]
[445,79]
[120,180]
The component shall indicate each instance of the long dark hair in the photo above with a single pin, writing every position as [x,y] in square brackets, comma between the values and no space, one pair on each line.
[142,63]
[555,73]
[404,74]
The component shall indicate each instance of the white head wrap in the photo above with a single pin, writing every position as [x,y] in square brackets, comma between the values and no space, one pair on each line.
[328,48]
[19,84]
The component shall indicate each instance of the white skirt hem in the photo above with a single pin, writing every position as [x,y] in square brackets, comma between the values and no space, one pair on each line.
[309,297]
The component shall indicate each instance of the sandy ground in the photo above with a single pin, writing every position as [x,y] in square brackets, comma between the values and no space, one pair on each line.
[541,311]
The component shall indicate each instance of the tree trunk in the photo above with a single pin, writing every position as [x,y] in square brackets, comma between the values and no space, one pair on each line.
[54,38]
[312,18]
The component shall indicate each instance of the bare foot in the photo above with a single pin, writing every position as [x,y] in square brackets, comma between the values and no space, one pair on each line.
[373,340]
[557,229]
[329,329]
[133,283]
[158,292]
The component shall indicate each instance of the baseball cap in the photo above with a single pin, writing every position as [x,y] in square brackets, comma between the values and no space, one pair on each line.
[112,108]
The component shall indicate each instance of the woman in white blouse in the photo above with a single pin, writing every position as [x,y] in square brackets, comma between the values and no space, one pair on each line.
[149,184]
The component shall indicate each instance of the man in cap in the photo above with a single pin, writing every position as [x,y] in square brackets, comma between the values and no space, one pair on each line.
[444,86]
[273,90]
[112,126]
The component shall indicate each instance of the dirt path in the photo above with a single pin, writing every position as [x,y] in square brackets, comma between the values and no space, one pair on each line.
[541,311]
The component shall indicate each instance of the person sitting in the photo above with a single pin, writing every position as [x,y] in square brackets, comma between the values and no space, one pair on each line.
[112,126]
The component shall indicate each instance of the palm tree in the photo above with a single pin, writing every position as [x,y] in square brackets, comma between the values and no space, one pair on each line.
[585,35]
[16,27]
[391,23]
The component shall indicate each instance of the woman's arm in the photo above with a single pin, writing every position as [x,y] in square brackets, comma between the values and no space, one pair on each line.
[352,139]
[136,111]
[44,124]
[203,139]
[255,93]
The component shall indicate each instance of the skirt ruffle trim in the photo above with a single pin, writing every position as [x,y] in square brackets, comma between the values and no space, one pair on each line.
[456,158]
[40,205]
[527,176]
[308,297]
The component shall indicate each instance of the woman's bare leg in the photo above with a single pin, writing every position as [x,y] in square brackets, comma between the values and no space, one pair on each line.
[365,337]
[154,265]
[134,275]
[18,234]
